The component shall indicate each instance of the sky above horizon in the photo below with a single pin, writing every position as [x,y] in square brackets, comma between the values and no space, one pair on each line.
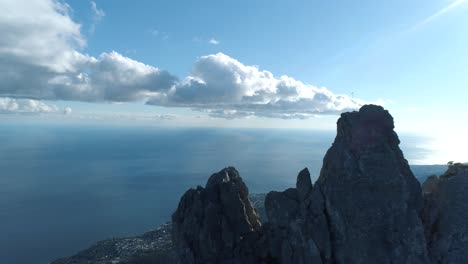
[294,64]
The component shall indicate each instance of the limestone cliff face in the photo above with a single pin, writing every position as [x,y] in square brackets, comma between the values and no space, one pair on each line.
[366,207]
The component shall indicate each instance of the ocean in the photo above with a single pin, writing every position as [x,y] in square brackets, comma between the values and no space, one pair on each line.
[63,188]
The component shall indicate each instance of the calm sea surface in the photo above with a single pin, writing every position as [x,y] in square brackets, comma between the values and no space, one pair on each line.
[63,188]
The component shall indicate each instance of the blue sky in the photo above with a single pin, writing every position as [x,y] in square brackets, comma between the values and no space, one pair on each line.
[375,48]
[294,64]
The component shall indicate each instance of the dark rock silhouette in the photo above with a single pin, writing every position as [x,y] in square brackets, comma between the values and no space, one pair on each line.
[366,207]
[298,230]
[372,199]
[363,204]
[446,215]
[216,224]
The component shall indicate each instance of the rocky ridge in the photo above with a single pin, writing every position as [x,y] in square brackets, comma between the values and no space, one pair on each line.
[365,207]
[217,223]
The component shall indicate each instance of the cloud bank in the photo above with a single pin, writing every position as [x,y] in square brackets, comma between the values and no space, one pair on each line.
[41,58]
[25,106]
[224,87]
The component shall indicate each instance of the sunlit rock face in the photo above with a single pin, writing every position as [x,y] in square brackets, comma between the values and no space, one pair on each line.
[445,215]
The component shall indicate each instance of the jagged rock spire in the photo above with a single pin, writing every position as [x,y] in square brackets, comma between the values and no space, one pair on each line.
[372,199]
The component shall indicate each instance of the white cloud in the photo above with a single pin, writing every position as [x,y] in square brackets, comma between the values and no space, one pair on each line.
[38,34]
[112,77]
[98,14]
[224,87]
[214,41]
[40,58]
[12,105]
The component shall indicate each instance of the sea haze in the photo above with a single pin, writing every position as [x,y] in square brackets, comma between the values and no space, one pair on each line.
[64,187]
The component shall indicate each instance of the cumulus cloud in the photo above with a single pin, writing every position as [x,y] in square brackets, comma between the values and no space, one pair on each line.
[41,58]
[112,77]
[224,87]
[25,106]
[38,34]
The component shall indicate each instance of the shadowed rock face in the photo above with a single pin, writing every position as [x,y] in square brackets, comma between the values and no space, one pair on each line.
[446,216]
[298,230]
[372,199]
[216,224]
[366,207]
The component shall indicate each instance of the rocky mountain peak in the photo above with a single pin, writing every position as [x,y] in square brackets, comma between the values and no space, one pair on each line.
[211,224]
[369,127]
[371,196]
[366,207]
[303,184]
